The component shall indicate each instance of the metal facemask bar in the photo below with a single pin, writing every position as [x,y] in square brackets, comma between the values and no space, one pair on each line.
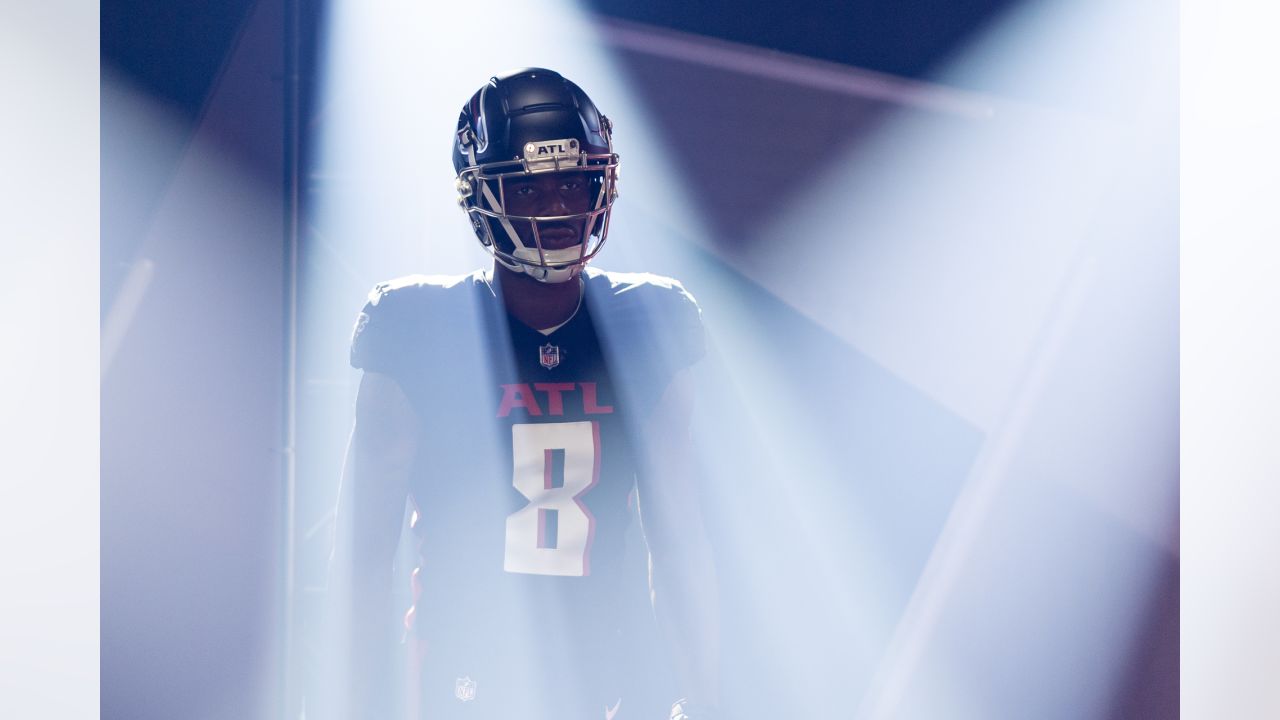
[593,223]
[562,155]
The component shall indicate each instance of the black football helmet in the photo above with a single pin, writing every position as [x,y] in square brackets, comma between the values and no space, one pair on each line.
[529,122]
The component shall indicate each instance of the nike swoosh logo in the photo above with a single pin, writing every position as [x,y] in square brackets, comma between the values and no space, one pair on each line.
[610,712]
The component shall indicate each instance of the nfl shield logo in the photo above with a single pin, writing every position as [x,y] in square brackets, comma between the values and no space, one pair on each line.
[549,355]
[465,689]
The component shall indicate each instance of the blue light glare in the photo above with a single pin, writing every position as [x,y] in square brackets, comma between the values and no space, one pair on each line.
[938,424]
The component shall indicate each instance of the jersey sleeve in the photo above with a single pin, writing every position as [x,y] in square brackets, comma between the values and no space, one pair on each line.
[687,343]
[651,327]
[389,331]
[658,318]
[404,318]
[373,338]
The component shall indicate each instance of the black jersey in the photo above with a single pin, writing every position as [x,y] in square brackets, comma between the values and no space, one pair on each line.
[529,594]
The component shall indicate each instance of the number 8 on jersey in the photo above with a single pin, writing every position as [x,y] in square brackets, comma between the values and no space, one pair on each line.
[554,465]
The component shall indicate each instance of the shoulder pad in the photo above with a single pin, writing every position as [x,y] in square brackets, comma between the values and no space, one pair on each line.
[652,310]
[400,314]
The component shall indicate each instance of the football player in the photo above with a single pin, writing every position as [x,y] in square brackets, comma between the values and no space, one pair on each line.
[535,414]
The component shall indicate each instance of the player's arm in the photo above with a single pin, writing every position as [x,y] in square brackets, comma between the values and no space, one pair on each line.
[682,572]
[375,483]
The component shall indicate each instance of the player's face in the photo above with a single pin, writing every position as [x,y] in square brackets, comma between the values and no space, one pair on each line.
[549,194]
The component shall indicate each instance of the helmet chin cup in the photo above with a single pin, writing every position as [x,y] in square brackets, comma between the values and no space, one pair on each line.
[552,276]
[555,266]
[541,273]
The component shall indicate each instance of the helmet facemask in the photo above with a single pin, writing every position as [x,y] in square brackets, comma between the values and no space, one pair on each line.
[523,243]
